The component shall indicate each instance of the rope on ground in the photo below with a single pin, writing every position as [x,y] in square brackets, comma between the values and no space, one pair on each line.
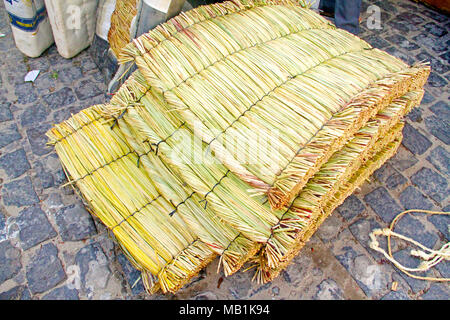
[429,256]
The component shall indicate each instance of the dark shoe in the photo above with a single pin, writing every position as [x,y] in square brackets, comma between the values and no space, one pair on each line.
[326,13]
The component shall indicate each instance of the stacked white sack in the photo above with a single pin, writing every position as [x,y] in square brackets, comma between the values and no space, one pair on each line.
[73,23]
[30,26]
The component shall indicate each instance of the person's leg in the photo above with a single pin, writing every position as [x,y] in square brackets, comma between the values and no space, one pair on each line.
[346,15]
[327,6]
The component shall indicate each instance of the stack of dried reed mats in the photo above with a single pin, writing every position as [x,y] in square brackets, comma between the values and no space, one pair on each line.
[245,125]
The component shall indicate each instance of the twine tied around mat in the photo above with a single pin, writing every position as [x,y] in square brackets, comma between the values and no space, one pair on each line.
[429,256]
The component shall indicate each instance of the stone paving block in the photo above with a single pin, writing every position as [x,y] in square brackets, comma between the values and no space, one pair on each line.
[45,270]
[45,177]
[69,74]
[208,295]
[19,193]
[415,115]
[427,98]
[446,57]
[402,42]
[25,92]
[14,163]
[62,293]
[441,109]
[10,263]
[400,54]
[431,183]
[442,223]
[396,295]
[5,112]
[412,198]
[437,292]
[16,293]
[434,15]
[38,64]
[74,223]
[435,29]
[436,81]
[46,82]
[412,227]
[436,63]
[403,159]
[414,141]
[440,159]
[38,140]
[395,180]
[131,275]
[34,227]
[439,127]
[63,114]
[34,114]
[329,290]
[361,230]
[10,133]
[377,42]
[372,277]
[404,257]
[60,98]
[351,208]
[330,227]
[383,204]
[87,89]
[93,267]
[383,173]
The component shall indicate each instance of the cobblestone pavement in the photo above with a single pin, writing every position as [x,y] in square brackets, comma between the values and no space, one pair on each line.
[47,237]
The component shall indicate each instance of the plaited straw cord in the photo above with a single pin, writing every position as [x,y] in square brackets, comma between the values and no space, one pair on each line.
[429,256]
[212,189]
[137,211]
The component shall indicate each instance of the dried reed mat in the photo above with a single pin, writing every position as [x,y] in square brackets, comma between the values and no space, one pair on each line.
[121,195]
[321,188]
[221,189]
[246,66]
[119,34]
[233,248]
[345,190]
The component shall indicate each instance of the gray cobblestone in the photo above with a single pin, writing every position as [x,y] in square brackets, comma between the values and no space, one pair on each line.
[351,208]
[34,227]
[62,293]
[383,204]
[5,112]
[437,292]
[414,141]
[10,263]
[14,163]
[431,183]
[16,293]
[10,133]
[74,223]
[60,98]
[329,290]
[440,158]
[439,127]
[45,270]
[38,140]
[19,193]
[412,198]
[131,275]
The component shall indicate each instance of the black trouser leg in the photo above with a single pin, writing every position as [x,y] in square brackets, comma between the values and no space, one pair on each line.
[347,15]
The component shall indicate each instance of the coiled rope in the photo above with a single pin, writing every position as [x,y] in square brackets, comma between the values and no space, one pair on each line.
[429,256]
